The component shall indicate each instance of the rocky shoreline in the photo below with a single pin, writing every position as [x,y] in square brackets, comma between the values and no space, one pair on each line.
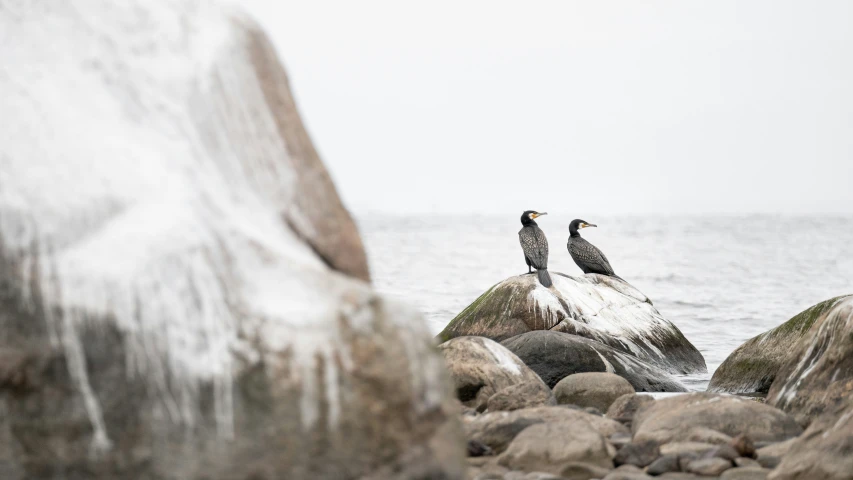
[550,388]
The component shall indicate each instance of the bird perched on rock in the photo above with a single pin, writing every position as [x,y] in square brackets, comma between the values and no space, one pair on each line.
[589,258]
[535,246]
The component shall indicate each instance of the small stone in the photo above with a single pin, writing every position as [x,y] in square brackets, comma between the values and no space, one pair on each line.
[579,470]
[684,447]
[681,476]
[478,449]
[623,408]
[489,476]
[685,458]
[592,389]
[744,446]
[707,435]
[750,473]
[521,395]
[628,468]
[639,454]
[550,446]
[664,464]
[746,462]
[768,461]
[726,452]
[623,475]
[777,449]
[709,466]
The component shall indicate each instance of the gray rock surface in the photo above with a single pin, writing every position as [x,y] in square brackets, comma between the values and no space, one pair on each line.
[592,389]
[481,368]
[753,366]
[818,374]
[182,293]
[549,447]
[591,306]
[521,395]
[679,448]
[672,419]
[707,435]
[709,466]
[555,355]
[638,454]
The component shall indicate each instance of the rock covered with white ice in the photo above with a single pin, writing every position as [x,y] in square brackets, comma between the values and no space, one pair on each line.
[597,307]
[182,293]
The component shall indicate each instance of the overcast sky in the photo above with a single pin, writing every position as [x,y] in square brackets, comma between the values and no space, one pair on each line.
[616,107]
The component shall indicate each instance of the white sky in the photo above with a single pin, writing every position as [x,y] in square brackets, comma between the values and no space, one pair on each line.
[612,107]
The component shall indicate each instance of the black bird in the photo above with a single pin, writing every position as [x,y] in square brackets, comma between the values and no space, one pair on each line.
[585,254]
[535,246]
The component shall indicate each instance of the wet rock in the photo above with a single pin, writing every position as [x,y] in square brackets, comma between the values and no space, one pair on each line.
[706,435]
[555,355]
[664,464]
[753,366]
[817,377]
[709,466]
[592,306]
[594,389]
[480,368]
[672,419]
[548,447]
[522,395]
[498,429]
[680,448]
[188,291]
[623,408]
[750,473]
[744,446]
[638,454]
[822,452]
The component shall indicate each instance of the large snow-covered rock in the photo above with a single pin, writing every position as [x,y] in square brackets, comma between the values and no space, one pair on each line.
[817,375]
[594,306]
[753,366]
[182,293]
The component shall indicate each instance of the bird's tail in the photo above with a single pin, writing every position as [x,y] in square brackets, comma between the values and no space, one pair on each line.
[544,278]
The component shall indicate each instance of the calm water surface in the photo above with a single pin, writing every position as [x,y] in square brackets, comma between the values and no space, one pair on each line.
[721,280]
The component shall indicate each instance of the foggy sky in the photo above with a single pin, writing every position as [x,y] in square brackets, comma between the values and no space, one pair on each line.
[619,107]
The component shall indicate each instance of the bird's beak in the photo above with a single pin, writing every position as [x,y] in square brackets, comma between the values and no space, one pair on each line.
[539,214]
[589,225]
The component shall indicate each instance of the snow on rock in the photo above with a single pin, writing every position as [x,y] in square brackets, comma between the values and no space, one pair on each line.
[593,306]
[182,291]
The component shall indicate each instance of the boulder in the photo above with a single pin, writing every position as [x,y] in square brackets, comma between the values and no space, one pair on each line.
[822,452]
[753,366]
[521,395]
[549,447]
[556,355]
[592,306]
[498,429]
[182,293]
[593,389]
[818,374]
[480,368]
[624,407]
[672,419]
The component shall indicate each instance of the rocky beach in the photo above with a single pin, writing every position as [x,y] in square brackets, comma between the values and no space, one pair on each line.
[554,384]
